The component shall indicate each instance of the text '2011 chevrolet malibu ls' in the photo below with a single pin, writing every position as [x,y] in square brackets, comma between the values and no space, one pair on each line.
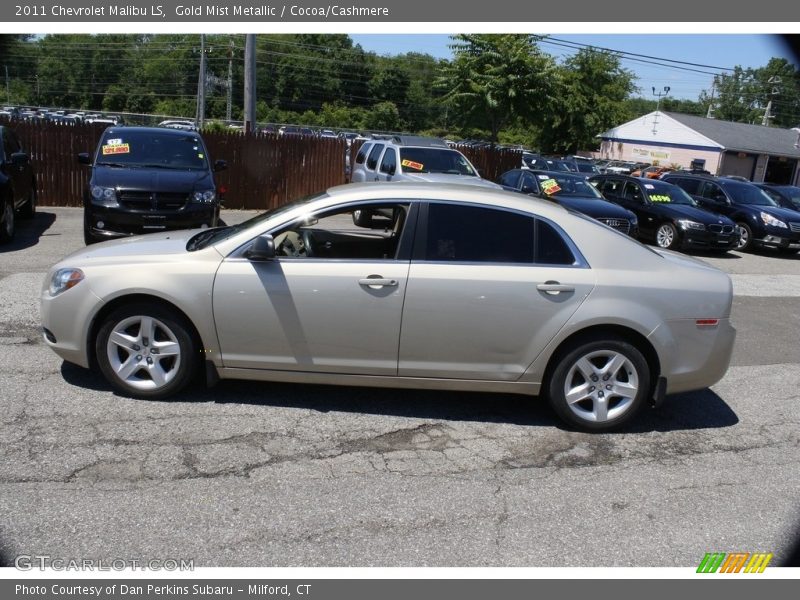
[400,285]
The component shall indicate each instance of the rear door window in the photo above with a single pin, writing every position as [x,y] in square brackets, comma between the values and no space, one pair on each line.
[374,155]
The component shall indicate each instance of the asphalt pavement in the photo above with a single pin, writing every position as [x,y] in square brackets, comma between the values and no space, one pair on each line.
[254,474]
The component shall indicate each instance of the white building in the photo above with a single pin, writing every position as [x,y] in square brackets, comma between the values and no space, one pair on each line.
[756,152]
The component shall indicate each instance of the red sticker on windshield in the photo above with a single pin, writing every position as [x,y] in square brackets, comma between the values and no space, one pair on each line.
[116,149]
[411,164]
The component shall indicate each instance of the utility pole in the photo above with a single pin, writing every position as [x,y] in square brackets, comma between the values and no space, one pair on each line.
[201,85]
[710,113]
[773,81]
[250,83]
[229,105]
[8,89]
[658,95]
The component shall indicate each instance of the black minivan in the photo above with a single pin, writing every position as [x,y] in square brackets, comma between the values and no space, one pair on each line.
[149,179]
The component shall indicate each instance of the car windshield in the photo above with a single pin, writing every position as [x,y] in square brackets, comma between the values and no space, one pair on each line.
[212,236]
[572,186]
[584,167]
[149,149]
[793,193]
[667,193]
[435,160]
[749,194]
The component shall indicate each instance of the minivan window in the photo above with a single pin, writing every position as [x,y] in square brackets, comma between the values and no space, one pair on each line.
[152,150]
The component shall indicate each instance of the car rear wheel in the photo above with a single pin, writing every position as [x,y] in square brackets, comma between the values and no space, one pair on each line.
[7,224]
[599,385]
[667,236]
[745,236]
[28,210]
[146,351]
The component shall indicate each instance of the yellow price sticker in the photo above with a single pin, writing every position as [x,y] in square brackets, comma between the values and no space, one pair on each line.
[660,198]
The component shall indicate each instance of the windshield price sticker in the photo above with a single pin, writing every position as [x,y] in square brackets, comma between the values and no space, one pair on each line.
[411,164]
[119,148]
[660,198]
[550,186]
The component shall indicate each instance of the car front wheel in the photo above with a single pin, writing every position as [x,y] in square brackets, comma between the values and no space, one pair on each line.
[7,224]
[745,237]
[667,236]
[146,351]
[599,385]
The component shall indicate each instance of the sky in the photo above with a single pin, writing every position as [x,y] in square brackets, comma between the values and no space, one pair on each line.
[716,51]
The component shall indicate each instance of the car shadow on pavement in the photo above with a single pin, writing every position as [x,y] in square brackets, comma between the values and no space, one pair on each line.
[29,231]
[693,410]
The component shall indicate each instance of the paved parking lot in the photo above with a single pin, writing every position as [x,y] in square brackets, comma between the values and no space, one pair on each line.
[250,474]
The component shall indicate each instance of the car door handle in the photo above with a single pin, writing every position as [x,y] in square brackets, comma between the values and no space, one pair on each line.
[376,281]
[553,288]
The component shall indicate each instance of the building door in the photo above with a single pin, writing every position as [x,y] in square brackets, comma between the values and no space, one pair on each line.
[780,170]
[738,163]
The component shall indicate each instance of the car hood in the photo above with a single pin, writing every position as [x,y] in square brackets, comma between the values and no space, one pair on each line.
[155,247]
[784,214]
[593,207]
[685,211]
[152,180]
[450,178]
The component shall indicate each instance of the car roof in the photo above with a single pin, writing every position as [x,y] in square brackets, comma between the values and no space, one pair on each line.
[158,130]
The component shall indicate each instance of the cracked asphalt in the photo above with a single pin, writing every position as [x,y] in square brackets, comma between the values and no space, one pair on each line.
[253,474]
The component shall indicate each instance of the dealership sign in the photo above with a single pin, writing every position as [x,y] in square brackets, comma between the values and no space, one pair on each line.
[653,154]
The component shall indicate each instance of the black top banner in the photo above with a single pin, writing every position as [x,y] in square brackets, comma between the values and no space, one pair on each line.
[411,11]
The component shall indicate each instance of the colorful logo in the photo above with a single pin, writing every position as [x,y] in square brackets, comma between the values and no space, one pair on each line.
[735,562]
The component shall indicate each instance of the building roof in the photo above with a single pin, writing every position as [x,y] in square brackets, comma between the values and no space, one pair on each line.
[743,136]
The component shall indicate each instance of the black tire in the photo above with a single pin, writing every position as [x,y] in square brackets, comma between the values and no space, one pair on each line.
[667,236]
[746,237]
[151,374]
[8,226]
[28,210]
[587,414]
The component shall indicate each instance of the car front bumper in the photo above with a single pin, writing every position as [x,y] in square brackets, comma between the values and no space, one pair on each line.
[708,240]
[108,222]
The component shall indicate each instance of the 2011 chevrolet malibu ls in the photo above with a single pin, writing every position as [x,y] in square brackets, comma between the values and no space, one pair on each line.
[400,285]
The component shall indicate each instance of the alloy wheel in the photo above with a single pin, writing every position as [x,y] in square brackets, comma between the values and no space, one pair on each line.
[601,386]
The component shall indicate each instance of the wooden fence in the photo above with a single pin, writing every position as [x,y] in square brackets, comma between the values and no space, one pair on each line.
[264,171]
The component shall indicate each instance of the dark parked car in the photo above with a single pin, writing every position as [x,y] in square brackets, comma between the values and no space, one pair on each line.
[759,219]
[17,184]
[573,192]
[667,215]
[786,196]
[147,179]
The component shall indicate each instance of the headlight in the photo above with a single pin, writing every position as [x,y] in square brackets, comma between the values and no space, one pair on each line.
[205,197]
[104,195]
[689,224]
[64,279]
[770,220]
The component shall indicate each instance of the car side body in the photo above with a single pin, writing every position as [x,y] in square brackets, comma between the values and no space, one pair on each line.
[495,292]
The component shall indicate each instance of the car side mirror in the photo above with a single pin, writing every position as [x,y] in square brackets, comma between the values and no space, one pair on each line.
[263,249]
[19,159]
[220,165]
[83,158]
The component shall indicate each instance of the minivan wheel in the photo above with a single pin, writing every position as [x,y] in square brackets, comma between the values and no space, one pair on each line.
[146,351]
[745,237]
[7,225]
[599,385]
[667,236]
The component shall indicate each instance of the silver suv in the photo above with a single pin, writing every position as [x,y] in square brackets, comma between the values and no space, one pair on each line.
[413,158]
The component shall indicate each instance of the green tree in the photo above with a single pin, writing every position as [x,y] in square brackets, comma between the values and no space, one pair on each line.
[495,79]
[594,87]
[384,116]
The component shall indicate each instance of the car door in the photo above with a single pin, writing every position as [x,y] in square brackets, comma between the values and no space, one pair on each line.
[633,199]
[331,301]
[713,198]
[388,166]
[488,289]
